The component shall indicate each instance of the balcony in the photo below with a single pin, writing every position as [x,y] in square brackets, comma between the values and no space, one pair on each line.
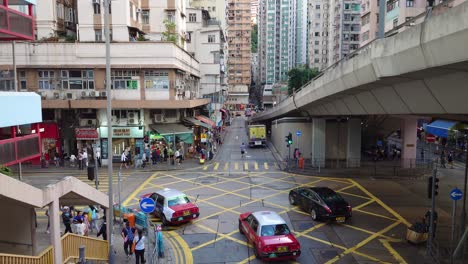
[15,25]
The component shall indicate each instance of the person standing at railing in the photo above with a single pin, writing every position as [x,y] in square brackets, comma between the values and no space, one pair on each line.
[139,241]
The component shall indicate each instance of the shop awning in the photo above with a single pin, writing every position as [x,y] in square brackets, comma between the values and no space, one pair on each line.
[182,132]
[206,120]
[440,128]
[196,122]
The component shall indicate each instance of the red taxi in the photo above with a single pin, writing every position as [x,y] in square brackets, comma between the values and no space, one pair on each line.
[269,235]
[173,206]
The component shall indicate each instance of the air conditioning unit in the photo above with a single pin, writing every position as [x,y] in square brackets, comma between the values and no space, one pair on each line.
[56,95]
[412,24]
[159,118]
[114,119]
[132,121]
[88,122]
[103,94]
[94,94]
[69,96]
[131,115]
[138,10]
[84,94]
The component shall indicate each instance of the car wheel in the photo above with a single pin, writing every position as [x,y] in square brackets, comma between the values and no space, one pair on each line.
[164,220]
[256,251]
[313,215]
[291,200]
[240,228]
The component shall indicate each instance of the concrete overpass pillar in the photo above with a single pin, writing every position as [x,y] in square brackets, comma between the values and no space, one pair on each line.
[409,139]
[54,216]
[318,142]
[353,150]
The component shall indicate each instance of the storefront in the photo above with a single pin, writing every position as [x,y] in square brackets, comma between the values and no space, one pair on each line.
[87,137]
[50,142]
[199,129]
[122,139]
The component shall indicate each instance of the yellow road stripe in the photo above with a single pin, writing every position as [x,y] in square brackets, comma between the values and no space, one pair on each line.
[213,241]
[205,168]
[246,166]
[355,195]
[247,260]
[186,252]
[236,166]
[374,214]
[392,251]
[137,190]
[345,188]
[363,243]
[265,165]
[371,232]
[256,165]
[364,204]
[174,248]
[226,166]
[216,166]
[377,200]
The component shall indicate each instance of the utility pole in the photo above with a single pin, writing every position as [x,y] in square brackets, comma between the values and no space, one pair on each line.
[463,213]
[110,211]
[15,84]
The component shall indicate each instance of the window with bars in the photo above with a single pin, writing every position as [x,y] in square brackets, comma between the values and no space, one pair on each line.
[77,79]
[192,17]
[211,38]
[125,79]
[145,17]
[156,80]
[7,81]
[46,80]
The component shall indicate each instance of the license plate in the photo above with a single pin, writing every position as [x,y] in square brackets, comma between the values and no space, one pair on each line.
[282,249]
[258,142]
[186,213]
[341,219]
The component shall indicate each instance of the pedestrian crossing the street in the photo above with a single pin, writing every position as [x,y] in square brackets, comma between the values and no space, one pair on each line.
[240,166]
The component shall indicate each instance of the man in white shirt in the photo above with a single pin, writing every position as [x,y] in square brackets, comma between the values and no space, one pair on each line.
[177,157]
[123,160]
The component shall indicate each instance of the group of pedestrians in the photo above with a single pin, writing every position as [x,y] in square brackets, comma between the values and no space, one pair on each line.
[81,222]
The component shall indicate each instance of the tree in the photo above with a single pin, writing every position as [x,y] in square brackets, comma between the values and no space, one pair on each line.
[170,33]
[254,38]
[299,76]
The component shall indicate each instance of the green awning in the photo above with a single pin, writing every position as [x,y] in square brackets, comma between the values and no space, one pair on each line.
[168,130]
[196,122]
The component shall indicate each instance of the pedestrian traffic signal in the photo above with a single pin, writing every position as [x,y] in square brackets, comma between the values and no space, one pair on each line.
[430,187]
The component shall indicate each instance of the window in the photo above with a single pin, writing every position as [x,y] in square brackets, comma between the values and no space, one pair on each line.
[6,81]
[97,35]
[316,51]
[409,3]
[317,34]
[145,17]
[171,17]
[365,19]
[22,80]
[46,80]
[365,36]
[213,8]
[156,80]
[192,17]
[77,79]
[211,38]
[125,79]
[97,8]
[317,42]
[392,4]
[317,6]
[131,9]
[216,57]
[60,10]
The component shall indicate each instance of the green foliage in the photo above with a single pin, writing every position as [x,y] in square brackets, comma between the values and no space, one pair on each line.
[170,33]
[298,77]
[70,38]
[5,170]
[254,38]
[142,38]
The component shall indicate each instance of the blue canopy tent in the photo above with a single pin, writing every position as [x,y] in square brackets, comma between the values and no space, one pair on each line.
[440,128]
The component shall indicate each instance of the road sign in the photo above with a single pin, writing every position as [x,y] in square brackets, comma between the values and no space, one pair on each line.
[430,138]
[456,194]
[147,205]
[298,133]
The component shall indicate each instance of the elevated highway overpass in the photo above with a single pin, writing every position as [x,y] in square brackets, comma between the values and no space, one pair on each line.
[419,72]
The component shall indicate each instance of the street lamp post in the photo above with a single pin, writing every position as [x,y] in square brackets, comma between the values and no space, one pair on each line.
[463,213]
[110,211]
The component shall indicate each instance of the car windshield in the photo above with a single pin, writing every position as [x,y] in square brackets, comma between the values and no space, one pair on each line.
[178,200]
[275,230]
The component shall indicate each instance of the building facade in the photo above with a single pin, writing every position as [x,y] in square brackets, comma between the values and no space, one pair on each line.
[216,8]
[205,42]
[239,53]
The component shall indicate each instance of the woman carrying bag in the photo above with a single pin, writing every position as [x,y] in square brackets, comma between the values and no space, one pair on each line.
[139,247]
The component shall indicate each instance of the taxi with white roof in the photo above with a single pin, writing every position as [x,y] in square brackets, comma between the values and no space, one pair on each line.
[270,236]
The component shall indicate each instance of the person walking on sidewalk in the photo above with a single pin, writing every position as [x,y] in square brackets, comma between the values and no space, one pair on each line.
[140,247]
[128,236]
[450,159]
[103,229]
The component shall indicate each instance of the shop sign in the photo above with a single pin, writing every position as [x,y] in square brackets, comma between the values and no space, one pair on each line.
[86,133]
[123,132]
[203,138]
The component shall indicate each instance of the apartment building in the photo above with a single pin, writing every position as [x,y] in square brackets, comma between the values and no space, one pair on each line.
[205,42]
[283,38]
[239,53]
[216,8]
[254,11]
[319,31]
[346,25]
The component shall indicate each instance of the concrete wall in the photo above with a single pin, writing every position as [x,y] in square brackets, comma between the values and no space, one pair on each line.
[16,240]
[280,129]
[336,139]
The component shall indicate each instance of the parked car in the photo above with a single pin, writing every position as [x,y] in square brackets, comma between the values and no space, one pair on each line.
[270,236]
[322,203]
[173,206]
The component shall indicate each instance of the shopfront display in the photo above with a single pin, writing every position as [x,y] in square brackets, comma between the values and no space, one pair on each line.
[50,142]
[122,138]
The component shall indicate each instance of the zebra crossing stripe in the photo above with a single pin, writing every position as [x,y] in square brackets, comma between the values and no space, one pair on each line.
[226,166]
[246,166]
[256,166]
[205,168]
[265,165]
[236,166]
[216,166]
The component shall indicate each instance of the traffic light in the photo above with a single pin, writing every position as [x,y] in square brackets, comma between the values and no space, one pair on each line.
[289,139]
[430,186]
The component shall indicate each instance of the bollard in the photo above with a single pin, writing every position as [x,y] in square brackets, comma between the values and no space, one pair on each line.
[82,256]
